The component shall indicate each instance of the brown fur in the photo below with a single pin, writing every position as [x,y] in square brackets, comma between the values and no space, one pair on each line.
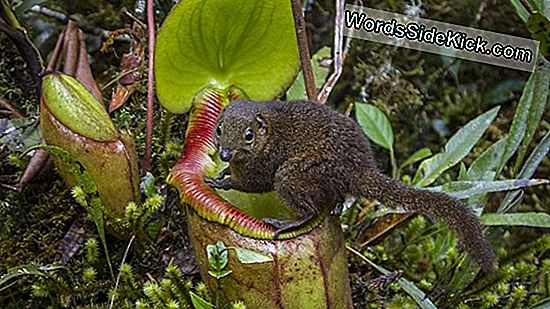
[313,156]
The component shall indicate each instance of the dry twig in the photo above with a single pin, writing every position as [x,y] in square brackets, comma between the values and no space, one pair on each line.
[338,61]
[12,109]
[305,58]
[150,87]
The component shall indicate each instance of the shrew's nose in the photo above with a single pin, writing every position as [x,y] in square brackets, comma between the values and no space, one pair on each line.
[225,155]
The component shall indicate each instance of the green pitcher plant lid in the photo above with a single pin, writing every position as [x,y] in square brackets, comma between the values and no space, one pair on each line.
[76,108]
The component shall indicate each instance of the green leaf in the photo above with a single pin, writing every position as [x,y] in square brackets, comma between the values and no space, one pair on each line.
[147,185]
[246,256]
[199,302]
[462,174]
[458,146]
[82,177]
[528,169]
[375,124]
[465,189]
[298,90]
[537,80]
[540,97]
[96,211]
[503,91]
[250,45]
[536,157]
[219,274]
[522,12]
[76,108]
[25,270]
[485,166]
[517,198]
[26,5]
[420,154]
[531,219]
[465,273]
[543,304]
[217,256]
[539,27]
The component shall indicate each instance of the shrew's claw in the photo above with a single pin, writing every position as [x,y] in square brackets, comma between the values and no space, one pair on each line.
[210,181]
[224,184]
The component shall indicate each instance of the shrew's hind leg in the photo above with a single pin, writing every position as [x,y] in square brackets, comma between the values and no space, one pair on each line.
[301,190]
[284,226]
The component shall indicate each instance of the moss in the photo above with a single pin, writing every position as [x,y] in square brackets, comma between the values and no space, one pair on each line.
[15,81]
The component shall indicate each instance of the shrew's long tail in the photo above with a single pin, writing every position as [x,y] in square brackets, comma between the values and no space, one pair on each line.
[454,213]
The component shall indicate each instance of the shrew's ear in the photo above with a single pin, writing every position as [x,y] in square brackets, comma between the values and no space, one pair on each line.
[262,123]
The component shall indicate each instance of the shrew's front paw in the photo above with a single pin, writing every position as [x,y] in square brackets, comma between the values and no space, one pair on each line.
[217,183]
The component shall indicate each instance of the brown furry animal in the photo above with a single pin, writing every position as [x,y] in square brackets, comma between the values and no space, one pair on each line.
[312,157]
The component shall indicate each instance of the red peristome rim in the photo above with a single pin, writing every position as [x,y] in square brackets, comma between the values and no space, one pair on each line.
[187,175]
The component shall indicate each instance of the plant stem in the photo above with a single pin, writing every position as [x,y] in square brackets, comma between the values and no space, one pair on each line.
[12,28]
[218,289]
[112,302]
[9,15]
[393,164]
[303,48]
[150,87]
[547,284]
[165,128]
[86,27]
[338,60]
[11,108]
[527,6]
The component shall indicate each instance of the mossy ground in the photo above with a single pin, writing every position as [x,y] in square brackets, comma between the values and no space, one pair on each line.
[426,97]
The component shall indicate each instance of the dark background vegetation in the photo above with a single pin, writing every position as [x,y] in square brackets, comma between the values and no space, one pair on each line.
[427,98]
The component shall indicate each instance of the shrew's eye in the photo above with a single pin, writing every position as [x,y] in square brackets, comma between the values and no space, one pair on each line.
[219,130]
[249,135]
